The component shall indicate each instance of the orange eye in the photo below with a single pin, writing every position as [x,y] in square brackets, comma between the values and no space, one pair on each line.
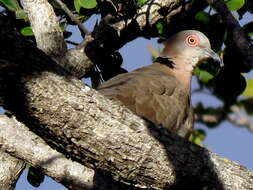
[192,40]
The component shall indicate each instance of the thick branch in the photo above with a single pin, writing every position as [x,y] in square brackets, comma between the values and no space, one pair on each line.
[10,170]
[45,26]
[89,128]
[49,38]
[75,60]
[94,131]
[22,143]
[97,133]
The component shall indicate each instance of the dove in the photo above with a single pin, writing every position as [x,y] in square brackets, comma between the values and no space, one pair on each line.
[161,92]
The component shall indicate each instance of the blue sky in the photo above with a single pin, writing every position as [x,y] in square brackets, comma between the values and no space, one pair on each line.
[227,140]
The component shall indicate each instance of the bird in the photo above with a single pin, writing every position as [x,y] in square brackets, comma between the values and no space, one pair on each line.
[161,92]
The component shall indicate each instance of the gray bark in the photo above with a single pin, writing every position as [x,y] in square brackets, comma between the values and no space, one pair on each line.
[49,38]
[10,170]
[92,130]
[25,145]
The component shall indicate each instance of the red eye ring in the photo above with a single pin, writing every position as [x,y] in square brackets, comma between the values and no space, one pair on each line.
[192,40]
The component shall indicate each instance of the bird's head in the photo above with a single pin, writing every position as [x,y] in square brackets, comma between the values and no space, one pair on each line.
[189,48]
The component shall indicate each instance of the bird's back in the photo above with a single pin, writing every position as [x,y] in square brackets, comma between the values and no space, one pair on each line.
[153,94]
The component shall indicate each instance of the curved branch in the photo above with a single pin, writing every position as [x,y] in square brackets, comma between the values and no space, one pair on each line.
[236,116]
[49,38]
[45,26]
[25,145]
[100,134]
[64,7]
[10,170]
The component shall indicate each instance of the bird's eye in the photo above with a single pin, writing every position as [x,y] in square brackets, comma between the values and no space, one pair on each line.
[192,40]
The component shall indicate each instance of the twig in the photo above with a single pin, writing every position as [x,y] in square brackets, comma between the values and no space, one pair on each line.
[83,30]
[240,119]
[236,117]
[72,43]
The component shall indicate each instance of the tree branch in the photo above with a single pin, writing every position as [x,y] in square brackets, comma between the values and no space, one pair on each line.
[83,30]
[236,116]
[49,38]
[45,26]
[123,30]
[10,170]
[100,134]
[96,132]
[25,145]
[239,119]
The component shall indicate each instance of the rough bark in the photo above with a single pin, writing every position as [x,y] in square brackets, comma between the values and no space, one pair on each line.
[49,38]
[99,134]
[25,145]
[127,29]
[10,170]
[94,131]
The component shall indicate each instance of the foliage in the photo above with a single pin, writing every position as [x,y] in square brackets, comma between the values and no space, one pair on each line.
[12,5]
[234,5]
[197,136]
[226,83]
[27,31]
[87,4]
[35,177]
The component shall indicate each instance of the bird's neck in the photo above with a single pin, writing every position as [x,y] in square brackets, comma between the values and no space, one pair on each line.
[184,76]
[183,72]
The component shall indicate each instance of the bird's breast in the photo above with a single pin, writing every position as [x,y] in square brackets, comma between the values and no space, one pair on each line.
[152,94]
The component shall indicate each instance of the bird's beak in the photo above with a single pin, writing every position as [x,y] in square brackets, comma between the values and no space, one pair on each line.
[210,54]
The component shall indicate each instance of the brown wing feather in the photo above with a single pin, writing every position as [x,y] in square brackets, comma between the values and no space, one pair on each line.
[153,94]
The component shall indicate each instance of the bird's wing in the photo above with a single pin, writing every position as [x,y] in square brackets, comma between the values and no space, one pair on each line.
[152,94]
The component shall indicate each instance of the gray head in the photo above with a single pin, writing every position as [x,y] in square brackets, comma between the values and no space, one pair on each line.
[189,48]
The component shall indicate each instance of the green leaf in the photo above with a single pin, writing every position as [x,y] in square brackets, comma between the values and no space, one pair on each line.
[234,5]
[88,4]
[12,5]
[249,88]
[35,177]
[159,27]
[26,31]
[206,71]
[197,136]
[205,76]
[139,3]
[20,14]
[203,17]
[77,5]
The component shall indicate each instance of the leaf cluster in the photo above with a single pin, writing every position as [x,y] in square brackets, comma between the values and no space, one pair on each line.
[226,83]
